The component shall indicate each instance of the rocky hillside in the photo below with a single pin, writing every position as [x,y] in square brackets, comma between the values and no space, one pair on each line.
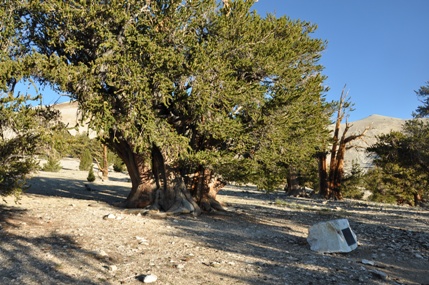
[69,116]
[377,125]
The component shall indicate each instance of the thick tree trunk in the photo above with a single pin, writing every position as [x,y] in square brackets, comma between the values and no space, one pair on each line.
[172,195]
[339,146]
[292,181]
[323,176]
[143,187]
[161,185]
[417,199]
[105,168]
[338,172]
[175,198]
[204,188]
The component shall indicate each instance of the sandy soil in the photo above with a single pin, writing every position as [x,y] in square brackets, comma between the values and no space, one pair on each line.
[68,231]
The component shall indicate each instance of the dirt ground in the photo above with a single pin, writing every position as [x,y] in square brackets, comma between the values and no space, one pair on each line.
[68,231]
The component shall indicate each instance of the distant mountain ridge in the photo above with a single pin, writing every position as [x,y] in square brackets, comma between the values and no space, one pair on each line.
[377,125]
[70,117]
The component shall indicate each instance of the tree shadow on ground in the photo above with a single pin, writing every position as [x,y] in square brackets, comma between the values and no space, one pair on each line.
[77,189]
[270,242]
[273,248]
[40,260]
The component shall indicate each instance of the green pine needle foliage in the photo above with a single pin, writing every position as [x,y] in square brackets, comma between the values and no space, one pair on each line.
[213,88]
[352,184]
[91,176]
[118,165]
[402,165]
[85,160]
[24,129]
[52,164]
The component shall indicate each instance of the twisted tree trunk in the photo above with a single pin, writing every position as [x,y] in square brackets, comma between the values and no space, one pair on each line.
[143,184]
[323,174]
[204,187]
[161,185]
[331,188]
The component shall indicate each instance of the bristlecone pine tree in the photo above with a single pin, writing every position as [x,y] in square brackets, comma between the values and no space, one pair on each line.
[23,129]
[422,111]
[91,176]
[85,162]
[403,159]
[187,93]
[331,178]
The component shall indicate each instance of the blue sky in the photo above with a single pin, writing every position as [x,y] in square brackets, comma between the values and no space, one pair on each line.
[378,48]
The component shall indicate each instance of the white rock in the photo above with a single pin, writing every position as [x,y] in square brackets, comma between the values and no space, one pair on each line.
[418,255]
[102,253]
[142,240]
[109,216]
[368,262]
[379,274]
[150,278]
[332,236]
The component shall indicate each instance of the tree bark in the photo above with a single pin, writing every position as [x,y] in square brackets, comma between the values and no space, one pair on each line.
[105,168]
[323,175]
[143,186]
[417,199]
[172,194]
[204,187]
[338,150]
[335,141]
[292,181]
[338,172]
[143,189]
[161,185]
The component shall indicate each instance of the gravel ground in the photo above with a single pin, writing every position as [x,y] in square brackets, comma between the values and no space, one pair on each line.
[68,231]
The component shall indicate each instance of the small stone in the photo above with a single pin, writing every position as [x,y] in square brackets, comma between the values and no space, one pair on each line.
[291,258]
[379,274]
[368,262]
[150,278]
[215,264]
[419,256]
[142,240]
[109,216]
[102,253]
[180,266]
[113,268]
